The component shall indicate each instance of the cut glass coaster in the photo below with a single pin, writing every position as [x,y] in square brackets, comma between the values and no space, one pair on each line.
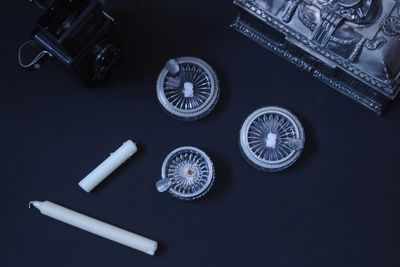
[272,138]
[187,88]
[187,173]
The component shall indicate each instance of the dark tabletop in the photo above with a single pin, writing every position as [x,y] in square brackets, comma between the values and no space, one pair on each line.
[339,205]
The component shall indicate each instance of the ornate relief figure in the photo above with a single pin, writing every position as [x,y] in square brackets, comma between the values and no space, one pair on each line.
[357,11]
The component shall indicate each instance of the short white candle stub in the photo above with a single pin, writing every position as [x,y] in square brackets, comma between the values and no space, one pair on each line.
[109,165]
[95,226]
[188,89]
[271,140]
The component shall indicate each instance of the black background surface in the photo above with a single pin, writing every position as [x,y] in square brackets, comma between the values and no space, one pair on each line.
[339,205]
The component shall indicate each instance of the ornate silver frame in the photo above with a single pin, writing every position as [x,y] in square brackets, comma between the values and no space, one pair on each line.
[351,45]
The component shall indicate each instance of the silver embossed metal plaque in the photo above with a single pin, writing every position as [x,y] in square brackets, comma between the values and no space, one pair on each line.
[351,45]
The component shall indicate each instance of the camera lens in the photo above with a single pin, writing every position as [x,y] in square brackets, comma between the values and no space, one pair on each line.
[107,58]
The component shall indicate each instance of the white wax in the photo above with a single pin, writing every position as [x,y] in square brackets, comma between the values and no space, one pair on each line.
[188,89]
[96,227]
[108,166]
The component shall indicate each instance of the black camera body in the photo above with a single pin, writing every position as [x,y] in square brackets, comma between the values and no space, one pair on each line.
[81,37]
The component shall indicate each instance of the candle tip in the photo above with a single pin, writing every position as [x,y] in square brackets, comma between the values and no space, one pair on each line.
[36,204]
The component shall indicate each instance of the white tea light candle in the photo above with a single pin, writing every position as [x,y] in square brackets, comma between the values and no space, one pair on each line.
[109,165]
[95,226]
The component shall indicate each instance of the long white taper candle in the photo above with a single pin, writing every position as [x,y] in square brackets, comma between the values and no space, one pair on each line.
[108,166]
[96,227]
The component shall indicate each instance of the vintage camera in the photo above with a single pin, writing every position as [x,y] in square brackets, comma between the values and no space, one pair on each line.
[81,37]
